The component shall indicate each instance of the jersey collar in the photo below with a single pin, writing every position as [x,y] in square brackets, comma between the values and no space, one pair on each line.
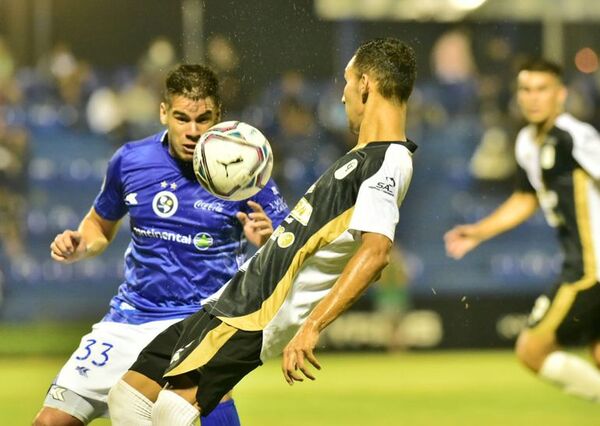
[185,167]
[408,144]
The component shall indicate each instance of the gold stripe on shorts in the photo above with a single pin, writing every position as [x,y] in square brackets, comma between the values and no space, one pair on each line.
[568,291]
[208,347]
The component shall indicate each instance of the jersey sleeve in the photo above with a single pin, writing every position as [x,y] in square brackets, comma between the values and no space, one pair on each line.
[110,202]
[522,183]
[272,202]
[381,193]
[586,150]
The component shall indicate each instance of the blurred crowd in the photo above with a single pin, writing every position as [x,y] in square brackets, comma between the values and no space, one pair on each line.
[463,115]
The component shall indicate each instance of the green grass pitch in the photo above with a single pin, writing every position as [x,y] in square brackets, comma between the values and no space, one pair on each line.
[428,389]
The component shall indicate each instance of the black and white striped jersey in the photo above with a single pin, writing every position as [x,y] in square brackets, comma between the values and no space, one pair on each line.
[564,172]
[276,289]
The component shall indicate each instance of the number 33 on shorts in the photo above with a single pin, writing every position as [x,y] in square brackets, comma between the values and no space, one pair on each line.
[96,351]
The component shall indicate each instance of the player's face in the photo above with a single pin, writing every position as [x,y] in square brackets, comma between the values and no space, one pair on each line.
[352,97]
[186,120]
[540,96]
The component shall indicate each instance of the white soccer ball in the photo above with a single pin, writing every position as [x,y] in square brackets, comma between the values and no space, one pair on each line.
[233,160]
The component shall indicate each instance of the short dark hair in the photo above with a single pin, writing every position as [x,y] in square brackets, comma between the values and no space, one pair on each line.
[392,63]
[542,65]
[192,81]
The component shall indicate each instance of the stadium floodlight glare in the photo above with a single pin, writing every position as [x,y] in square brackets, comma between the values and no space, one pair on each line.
[467,5]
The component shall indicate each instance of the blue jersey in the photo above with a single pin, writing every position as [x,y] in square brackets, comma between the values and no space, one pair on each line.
[185,242]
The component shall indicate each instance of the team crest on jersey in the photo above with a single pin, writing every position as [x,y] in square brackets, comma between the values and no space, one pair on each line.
[203,241]
[165,204]
[285,240]
[548,156]
[346,169]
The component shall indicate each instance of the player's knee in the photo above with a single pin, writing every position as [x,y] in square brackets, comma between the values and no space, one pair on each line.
[43,418]
[531,350]
[53,417]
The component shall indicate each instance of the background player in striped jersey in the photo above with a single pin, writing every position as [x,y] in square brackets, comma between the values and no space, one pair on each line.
[334,243]
[559,160]
[185,243]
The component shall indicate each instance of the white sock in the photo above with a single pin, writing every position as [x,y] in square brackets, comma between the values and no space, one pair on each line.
[171,409]
[128,407]
[573,374]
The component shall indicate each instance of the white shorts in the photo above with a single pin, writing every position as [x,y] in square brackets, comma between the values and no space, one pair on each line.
[103,356]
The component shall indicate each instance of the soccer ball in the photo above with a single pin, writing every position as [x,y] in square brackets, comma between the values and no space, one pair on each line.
[233,160]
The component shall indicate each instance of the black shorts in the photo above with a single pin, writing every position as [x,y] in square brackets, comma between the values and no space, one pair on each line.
[210,353]
[571,311]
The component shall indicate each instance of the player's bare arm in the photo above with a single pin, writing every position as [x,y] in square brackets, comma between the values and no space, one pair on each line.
[90,239]
[519,207]
[362,269]
[257,225]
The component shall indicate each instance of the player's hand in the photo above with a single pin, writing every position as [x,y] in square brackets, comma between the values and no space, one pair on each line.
[257,225]
[68,247]
[461,239]
[298,353]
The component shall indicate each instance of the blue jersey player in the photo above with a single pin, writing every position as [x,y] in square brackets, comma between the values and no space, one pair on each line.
[185,243]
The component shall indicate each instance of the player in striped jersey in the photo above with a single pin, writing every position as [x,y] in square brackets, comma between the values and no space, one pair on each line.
[334,243]
[559,163]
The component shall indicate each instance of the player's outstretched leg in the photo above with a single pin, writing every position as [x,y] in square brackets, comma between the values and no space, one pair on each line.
[540,353]
[131,400]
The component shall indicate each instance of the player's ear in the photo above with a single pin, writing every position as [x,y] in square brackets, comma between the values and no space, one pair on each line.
[364,86]
[562,95]
[164,108]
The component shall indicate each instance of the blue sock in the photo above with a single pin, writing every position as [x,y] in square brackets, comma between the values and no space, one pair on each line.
[225,414]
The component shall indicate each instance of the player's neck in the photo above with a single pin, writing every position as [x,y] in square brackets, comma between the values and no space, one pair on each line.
[383,121]
[542,129]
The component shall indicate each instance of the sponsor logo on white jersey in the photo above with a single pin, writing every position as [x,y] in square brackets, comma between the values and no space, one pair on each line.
[386,186]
